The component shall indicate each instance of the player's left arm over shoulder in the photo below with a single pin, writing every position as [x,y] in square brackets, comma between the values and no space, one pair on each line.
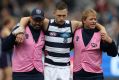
[109,46]
[79,24]
[101,28]
[76,24]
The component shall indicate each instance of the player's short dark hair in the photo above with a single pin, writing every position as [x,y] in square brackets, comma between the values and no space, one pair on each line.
[61,6]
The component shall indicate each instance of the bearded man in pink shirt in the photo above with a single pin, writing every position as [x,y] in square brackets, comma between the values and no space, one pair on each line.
[27,56]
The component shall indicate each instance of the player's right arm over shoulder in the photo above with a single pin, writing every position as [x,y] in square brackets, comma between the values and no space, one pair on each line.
[23,24]
[24,21]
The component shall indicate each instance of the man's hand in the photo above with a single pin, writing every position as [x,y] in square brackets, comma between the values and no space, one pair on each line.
[105,37]
[20,38]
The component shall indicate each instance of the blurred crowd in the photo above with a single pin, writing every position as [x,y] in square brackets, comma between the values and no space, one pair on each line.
[12,10]
[108,11]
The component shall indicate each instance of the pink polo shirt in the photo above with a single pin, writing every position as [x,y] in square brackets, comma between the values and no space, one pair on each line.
[28,55]
[87,57]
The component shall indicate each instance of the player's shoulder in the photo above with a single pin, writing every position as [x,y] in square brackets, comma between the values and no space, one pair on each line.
[46,20]
[75,23]
[45,24]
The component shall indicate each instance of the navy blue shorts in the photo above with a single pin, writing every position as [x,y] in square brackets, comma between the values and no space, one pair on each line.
[28,77]
[83,75]
[89,78]
[3,60]
[32,75]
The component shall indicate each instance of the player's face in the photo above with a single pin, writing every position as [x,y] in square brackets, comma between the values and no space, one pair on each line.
[90,21]
[37,23]
[60,16]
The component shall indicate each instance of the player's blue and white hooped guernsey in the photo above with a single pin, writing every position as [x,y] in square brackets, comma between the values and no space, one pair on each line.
[58,40]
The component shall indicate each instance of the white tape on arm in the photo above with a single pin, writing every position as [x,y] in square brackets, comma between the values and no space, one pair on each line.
[18,29]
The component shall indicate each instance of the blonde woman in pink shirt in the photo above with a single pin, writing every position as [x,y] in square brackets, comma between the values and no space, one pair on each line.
[88,46]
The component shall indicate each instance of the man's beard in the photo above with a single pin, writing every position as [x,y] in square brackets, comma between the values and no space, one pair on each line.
[37,27]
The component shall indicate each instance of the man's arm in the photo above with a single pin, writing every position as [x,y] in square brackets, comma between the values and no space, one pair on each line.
[101,28]
[18,32]
[108,45]
[45,24]
[75,25]
[24,21]
[79,24]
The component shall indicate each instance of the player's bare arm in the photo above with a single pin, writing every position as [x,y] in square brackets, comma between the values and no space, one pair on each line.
[76,24]
[24,21]
[101,28]
[45,24]
[106,38]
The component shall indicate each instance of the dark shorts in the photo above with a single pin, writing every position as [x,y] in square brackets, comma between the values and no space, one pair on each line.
[28,76]
[89,78]
[3,60]
[83,75]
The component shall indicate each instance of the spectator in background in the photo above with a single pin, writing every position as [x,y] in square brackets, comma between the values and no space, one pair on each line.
[1,69]
[26,13]
[8,22]
[70,4]
[9,5]
[5,58]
